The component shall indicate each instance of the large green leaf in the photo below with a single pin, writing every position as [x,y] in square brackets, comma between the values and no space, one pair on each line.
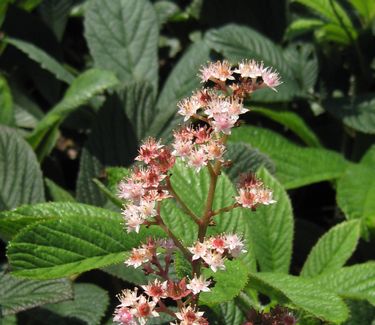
[271,229]
[46,61]
[89,305]
[192,187]
[301,293]
[357,113]
[72,244]
[245,159]
[356,193]
[228,283]
[293,122]
[122,121]
[11,222]
[6,103]
[180,83]
[332,12]
[57,193]
[229,313]
[366,9]
[239,42]
[333,249]
[301,26]
[361,312]
[368,158]
[295,165]
[21,180]
[20,294]
[356,282]
[123,37]
[83,88]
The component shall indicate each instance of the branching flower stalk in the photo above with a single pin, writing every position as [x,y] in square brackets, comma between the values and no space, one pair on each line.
[209,115]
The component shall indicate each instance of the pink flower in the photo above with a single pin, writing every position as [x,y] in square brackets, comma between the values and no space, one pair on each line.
[234,244]
[138,257]
[198,159]
[189,316]
[145,309]
[214,260]
[218,243]
[271,78]
[220,70]
[197,285]
[224,123]
[128,297]
[247,198]
[124,316]
[188,107]
[198,250]
[250,69]
[214,150]
[156,289]
[130,190]
[149,150]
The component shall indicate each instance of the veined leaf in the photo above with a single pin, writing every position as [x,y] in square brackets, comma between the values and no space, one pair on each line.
[366,9]
[293,122]
[180,83]
[89,305]
[302,293]
[239,42]
[295,165]
[71,245]
[361,312]
[20,294]
[368,158]
[12,222]
[358,113]
[333,249]
[235,221]
[331,11]
[6,103]
[46,61]
[356,282]
[301,26]
[229,313]
[122,121]
[126,273]
[245,159]
[123,37]
[83,88]
[228,283]
[55,14]
[356,193]
[271,229]
[20,175]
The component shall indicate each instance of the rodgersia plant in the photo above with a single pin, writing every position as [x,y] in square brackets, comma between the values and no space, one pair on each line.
[209,116]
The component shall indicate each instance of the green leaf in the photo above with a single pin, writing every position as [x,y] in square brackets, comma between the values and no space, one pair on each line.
[19,294]
[8,320]
[228,283]
[46,61]
[72,245]
[357,113]
[301,293]
[126,273]
[6,103]
[361,312]
[245,159]
[271,229]
[195,197]
[123,37]
[11,222]
[89,305]
[229,313]
[366,9]
[55,14]
[20,176]
[57,193]
[303,61]
[113,140]
[180,83]
[181,224]
[302,26]
[165,10]
[332,11]
[83,88]
[354,282]
[356,193]
[293,122]
[239,42]
[296,166]
[333,249]
[368,158]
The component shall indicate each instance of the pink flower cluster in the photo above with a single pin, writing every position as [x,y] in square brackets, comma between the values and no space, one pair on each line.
[144,187]
[253,193]
[251,72]
[197,146]
[214,250]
